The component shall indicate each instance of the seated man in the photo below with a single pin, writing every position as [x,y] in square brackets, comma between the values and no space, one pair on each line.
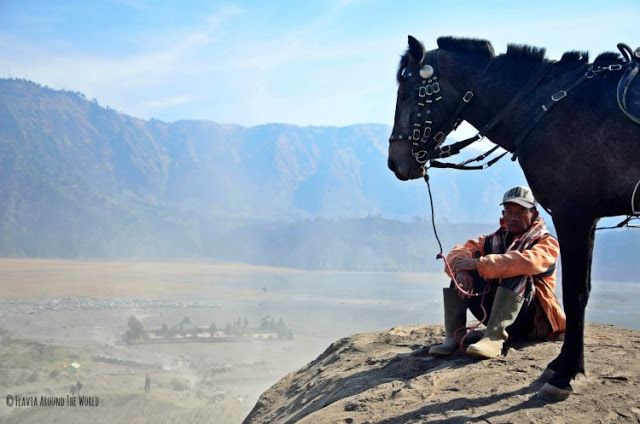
[518,263]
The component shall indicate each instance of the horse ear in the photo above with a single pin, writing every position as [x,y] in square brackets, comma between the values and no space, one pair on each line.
[416,49]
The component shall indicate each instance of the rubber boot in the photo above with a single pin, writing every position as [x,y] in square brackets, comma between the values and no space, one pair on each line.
[506,306]
[455,317]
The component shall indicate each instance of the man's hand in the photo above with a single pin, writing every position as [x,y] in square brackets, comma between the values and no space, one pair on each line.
[465,281]
[464,264]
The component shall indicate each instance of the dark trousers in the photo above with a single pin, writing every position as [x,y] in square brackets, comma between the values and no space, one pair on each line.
[523,286]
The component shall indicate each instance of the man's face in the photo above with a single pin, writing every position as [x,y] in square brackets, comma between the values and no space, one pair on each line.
[517,218]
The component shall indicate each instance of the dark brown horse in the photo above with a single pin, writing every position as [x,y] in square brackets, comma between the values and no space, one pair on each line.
[579,152]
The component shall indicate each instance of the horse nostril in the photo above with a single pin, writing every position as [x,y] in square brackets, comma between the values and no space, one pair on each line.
[392,165]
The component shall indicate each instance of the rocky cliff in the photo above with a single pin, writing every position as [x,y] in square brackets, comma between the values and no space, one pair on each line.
[386,377]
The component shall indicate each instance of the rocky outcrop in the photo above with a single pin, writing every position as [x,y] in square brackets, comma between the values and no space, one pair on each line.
[386,377]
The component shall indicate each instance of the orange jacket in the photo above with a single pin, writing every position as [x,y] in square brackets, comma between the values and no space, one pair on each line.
[536,260]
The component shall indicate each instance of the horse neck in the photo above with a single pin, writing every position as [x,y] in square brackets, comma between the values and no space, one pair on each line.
[497,88]
[605,149]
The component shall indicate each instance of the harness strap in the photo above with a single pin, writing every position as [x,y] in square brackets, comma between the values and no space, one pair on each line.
[455,119]
[437,164]
[451,149]
[450,124]
[635,214]
[455,148]
[481,157]
[524,91]
[621,92]
[553,100]
[624,223]
[633,200]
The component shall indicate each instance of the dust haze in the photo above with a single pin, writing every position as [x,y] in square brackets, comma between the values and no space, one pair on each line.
[65,323]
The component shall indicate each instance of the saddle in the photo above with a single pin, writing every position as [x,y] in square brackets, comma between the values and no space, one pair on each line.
[628,91]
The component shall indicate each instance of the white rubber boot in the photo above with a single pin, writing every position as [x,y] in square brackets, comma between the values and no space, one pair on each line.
[505,309]
[455,316]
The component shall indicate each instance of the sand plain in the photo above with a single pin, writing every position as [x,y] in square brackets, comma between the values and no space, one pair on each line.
[59,311]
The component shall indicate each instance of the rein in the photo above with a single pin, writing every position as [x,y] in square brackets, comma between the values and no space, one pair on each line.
[440,254]
[459,288]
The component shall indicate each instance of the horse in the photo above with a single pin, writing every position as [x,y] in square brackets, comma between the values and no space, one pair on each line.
[561,120]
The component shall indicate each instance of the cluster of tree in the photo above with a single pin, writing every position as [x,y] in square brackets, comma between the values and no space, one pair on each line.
[184,328]
[237,328]
[136,332]
[268,325]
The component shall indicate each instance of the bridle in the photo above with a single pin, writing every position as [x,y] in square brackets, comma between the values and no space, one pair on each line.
[423,137]
[427,149]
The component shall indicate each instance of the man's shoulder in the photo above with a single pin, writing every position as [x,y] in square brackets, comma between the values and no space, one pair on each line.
[548,239]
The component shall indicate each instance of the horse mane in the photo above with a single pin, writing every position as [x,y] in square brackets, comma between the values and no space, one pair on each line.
[515,52]
[468,45]
[575,56]
[607,58]
[525,52]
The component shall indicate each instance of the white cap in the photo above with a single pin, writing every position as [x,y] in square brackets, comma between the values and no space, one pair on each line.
[520,195]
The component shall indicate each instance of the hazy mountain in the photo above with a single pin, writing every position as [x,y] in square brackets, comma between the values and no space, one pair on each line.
[79,179]
[96,156]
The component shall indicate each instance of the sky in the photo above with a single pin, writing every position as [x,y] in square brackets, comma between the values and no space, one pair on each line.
[309,62]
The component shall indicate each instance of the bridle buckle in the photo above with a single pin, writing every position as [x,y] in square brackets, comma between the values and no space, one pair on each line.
[559,96]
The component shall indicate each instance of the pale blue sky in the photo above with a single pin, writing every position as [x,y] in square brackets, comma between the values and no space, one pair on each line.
[253,62]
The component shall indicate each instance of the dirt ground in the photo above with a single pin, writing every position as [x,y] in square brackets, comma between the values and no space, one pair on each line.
[56,312]
[385,377]
[187,380]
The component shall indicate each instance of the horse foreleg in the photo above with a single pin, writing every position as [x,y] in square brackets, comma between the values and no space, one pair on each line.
[576,247]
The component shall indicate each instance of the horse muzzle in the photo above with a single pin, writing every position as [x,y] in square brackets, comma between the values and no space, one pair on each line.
[406,171]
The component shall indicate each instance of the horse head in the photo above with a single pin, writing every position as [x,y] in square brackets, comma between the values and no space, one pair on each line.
[429,103]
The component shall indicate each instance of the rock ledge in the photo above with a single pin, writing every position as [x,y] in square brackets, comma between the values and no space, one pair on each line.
[386,377]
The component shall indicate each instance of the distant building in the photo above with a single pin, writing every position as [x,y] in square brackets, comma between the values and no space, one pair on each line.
[264,336]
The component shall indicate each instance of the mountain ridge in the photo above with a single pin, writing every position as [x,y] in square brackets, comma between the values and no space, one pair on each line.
[82,180]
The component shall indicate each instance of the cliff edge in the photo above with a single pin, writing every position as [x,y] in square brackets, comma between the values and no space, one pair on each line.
[386,377]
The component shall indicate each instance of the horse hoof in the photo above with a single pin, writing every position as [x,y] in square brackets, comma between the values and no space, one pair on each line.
[551,393]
